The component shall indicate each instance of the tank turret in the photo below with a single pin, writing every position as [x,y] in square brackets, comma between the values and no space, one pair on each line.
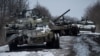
[62,27]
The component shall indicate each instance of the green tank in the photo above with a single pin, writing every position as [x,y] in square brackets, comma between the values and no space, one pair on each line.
[30,31]
[63,28]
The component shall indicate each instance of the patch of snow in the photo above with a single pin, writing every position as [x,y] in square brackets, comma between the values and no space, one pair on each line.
[43,28]
[85,32]
[91,42]
[59,52]
[39,20]
[24,53]
[45,53]
[87,26]
[79,25]
[14,54]
[84,44]
[4,48]
[88,33]
[40,53]
[95,46]
[81,48]
[96,49]
[65,41]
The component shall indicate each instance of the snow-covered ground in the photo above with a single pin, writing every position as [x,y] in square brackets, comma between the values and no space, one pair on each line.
[81,48]
[25,53]
[4,48]
[82,45]
[85,46]
[65,41]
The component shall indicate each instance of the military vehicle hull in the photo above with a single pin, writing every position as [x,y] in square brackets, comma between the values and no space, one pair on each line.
[21,38]
[63,27]
[65,30]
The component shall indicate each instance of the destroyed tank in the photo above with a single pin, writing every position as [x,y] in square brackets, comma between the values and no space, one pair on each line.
[62,27]
[30,32]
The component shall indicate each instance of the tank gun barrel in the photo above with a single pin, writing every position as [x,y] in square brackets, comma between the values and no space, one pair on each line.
[62,15]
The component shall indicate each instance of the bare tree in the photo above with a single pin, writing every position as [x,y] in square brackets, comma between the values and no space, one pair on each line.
[9,8]
[93,13]
[43,11]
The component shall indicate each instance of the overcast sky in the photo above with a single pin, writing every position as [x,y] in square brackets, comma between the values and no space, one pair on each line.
[57,7]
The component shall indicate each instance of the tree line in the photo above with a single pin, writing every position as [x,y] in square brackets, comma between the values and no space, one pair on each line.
[8,8]
[93,13]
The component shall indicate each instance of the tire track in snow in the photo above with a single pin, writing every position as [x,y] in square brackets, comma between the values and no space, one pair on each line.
[80,47]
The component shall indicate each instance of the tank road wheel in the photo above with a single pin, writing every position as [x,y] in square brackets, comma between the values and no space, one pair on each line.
[70,32]
[54,43]
[61,34]
[93,29]
[49,42]
[67,32]
[75,31]
[13,45]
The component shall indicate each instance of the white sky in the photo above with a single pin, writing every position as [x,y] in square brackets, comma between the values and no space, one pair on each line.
[57,7]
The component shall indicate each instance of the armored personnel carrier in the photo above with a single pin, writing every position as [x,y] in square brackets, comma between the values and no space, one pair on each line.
[29,33]
[62,27]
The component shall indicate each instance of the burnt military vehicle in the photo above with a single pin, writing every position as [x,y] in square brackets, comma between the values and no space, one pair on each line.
[30,31]
[64,27]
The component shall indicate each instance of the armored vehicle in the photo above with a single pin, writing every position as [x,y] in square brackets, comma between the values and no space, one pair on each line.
[64,27]
[30,33]
[87,25]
